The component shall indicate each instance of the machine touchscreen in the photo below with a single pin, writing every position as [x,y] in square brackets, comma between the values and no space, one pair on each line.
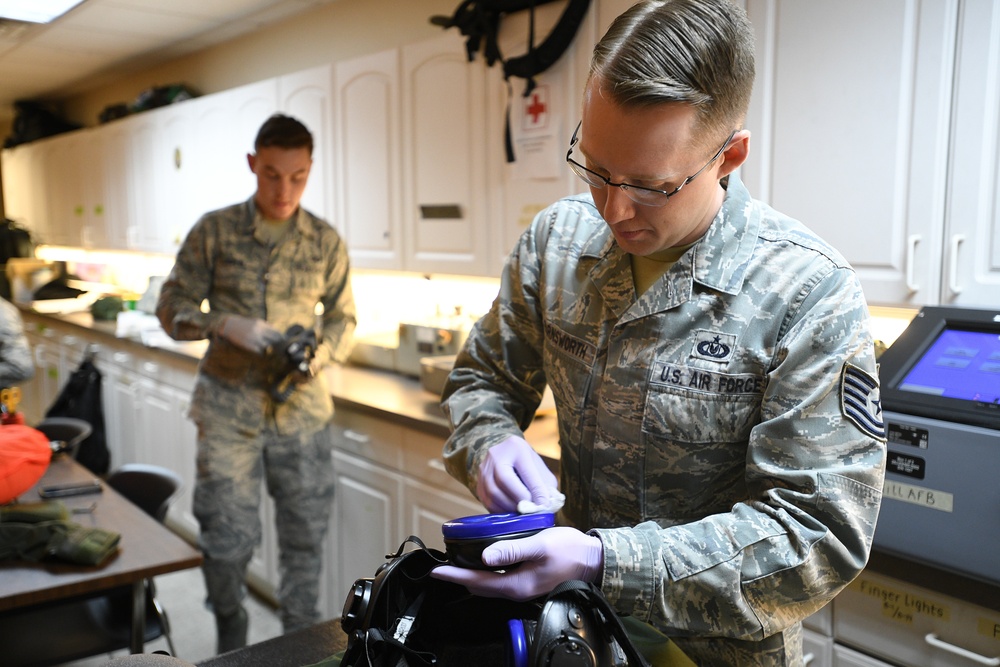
[946,365]
[960,364]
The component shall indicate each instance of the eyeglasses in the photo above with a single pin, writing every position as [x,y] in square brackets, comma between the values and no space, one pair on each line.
[637,193]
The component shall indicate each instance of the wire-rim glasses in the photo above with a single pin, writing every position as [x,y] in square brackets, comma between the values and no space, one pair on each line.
[637,193]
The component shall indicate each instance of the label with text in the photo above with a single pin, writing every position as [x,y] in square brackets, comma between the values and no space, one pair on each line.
[901,605]
[988,627]
[918,495]
[911,466]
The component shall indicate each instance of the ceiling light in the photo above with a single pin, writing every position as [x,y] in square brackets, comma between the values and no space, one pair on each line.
[36,11]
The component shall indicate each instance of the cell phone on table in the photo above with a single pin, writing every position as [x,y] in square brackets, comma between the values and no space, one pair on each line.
[63,490]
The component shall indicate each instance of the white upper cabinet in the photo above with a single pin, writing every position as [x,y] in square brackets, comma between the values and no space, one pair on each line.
[850,120]
[367,144]
[110,207]
[163,177]
[225,126]
[972,234]
[444,158]
[308,97]
[25,199]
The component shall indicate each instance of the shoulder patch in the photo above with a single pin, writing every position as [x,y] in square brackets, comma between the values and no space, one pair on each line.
[861,401]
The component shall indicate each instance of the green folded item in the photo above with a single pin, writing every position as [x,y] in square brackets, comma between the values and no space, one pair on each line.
[47,510]
[24,541]
[61,540]
[87,546]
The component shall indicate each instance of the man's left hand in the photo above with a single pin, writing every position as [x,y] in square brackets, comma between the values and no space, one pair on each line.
[538,563]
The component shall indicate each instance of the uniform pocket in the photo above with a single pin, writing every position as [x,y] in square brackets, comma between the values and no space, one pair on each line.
[689,416]
[696,447]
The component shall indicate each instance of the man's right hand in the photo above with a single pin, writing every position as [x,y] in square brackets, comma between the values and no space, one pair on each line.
[248,333]
[511,472]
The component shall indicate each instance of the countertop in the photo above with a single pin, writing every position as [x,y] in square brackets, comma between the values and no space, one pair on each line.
[380,393]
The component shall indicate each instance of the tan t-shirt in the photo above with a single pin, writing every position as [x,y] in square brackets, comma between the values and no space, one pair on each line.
[647,270]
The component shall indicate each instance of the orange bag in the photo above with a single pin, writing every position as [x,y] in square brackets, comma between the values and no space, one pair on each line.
[25,454]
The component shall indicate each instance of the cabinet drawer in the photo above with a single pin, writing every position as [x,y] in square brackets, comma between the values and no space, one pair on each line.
[422,458]
[908,624]
[368,437]
[821,621]
[845,657]
[817,650]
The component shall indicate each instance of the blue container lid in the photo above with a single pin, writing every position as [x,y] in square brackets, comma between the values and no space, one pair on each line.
[492,525]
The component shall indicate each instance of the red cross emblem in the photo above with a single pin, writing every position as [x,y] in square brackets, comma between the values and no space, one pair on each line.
[535,114]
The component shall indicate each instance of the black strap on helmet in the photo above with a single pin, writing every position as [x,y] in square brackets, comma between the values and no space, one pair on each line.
[479,21]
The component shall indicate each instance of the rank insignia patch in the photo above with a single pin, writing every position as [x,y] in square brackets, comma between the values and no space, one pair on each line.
[861,402]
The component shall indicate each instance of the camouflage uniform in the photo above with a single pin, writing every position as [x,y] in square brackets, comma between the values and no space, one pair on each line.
[15,356]
[721,433]
[241,431]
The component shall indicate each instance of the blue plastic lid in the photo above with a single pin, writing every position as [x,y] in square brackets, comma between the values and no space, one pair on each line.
[492,525]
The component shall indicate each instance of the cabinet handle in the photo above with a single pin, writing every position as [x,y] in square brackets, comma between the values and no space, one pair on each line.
[956,241]
[911,254]
[354,436]
[933,640]
[437,464]
[150,368]
[808,658]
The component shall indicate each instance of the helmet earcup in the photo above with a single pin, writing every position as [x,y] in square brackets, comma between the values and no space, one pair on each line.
[518,651]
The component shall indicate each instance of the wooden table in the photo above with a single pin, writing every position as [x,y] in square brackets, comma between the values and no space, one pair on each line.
[147,548]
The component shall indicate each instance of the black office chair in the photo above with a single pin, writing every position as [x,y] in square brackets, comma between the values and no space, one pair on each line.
[58,632]
[70,430]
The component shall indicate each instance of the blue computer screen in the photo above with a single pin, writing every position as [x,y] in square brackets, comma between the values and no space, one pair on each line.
[959,364]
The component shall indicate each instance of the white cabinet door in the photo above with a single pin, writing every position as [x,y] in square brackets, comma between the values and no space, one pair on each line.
[367,142]
[39,392]
[365,523]
[16,166]
[308,97]
[427,507]
[850,130]
[87,178]
[225,126]
[108,202]
[444,158]
[76,186]
[64,187]
[972,241]
[121,406]
[164,190]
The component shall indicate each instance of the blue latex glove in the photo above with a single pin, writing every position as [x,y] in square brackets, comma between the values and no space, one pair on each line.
[511,472]
[546,559]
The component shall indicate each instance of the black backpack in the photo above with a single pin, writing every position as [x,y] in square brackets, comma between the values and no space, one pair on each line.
[81,399]
[35,120]
[402,617]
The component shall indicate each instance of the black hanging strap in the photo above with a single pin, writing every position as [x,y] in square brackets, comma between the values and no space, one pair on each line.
[479,21]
